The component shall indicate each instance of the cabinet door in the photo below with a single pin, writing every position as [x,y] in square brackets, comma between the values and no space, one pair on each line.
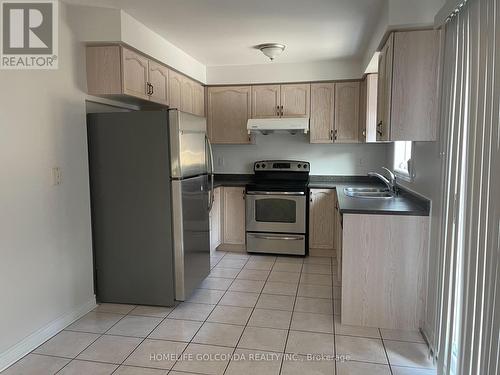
[322,112]
[295,100]
[174,89]
[228,111]
[234,215]
[135,74]
[322,220]
[187,94]
[370,112]
[198,99]
[265,101]
[103,70]
[414,98]
[158,78]
[347,112]
[384,90]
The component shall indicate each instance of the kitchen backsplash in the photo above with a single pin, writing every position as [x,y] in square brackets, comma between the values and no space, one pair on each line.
[325,159]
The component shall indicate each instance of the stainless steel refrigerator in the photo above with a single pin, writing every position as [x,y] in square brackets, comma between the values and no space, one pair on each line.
[151,193]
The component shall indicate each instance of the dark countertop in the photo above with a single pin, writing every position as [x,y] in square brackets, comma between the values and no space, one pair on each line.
[406,203]
[234,180]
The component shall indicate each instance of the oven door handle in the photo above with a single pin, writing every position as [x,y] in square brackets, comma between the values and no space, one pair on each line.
[286,238]
[297,193]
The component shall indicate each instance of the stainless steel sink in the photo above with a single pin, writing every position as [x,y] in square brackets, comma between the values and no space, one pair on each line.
[370,193]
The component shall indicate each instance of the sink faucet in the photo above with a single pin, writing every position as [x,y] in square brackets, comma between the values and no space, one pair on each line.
[389,182]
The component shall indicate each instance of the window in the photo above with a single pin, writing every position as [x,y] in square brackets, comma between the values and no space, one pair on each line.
[402,159]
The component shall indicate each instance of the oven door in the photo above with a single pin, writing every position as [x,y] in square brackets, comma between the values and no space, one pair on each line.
[281,212]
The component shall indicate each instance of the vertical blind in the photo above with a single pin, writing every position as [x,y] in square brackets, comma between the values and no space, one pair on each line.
[468,323]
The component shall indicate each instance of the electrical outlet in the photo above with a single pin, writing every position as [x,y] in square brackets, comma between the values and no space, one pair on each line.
[56,176]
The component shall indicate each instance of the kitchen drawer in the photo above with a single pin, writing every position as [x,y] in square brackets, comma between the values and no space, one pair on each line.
[276,243]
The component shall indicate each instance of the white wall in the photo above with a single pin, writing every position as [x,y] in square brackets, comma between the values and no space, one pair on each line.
[45,237]
[399,14]
[427,182]
[144,39]
[413,13]
[325,159]
[275,72]
[96,25]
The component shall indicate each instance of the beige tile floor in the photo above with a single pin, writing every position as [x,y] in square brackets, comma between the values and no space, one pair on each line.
[254,314]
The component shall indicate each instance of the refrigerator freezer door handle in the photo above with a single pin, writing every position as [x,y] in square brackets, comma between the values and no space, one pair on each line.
[211,192]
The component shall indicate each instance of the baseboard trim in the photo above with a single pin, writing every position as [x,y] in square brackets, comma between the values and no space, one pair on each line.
[28,344]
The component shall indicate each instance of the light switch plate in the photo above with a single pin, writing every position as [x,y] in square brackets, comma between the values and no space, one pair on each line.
[56,176]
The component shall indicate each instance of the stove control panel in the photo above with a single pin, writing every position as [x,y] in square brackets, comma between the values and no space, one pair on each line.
[281,165]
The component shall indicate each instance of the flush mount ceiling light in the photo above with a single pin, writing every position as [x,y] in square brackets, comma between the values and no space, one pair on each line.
[271,50]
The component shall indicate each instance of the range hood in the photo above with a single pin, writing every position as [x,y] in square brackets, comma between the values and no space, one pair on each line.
[271,125]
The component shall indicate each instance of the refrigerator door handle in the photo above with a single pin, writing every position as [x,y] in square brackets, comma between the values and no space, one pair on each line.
[211,196]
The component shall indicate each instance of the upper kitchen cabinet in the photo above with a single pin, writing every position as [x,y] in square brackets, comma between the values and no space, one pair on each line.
[322,112]
[228,110]
[347,112]
[290,100]
[135,69]
[266,101]
[198,99]
[185,94]
[408,86]
[175,89]
[158,77]
[335,112]
[295,100]
[368,109]
[120,73]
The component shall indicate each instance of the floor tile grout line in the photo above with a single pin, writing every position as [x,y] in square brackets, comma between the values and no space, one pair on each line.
[217,304]
[291,319]
[247,324]
[204,321]
[385,351]
[249,317]
[144,339]
[100,335]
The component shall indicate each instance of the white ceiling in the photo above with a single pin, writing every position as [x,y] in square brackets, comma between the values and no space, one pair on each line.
[223,32]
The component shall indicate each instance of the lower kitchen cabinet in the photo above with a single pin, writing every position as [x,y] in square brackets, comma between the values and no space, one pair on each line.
[322,203]
[233,218]
[215,221]
[383,270]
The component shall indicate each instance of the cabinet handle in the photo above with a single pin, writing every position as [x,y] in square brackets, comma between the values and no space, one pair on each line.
[152,89]
[379,132]
[331,134]
[278,110]
[336,132]
[147,88]
[281,111]
[379,124]
[364,133]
